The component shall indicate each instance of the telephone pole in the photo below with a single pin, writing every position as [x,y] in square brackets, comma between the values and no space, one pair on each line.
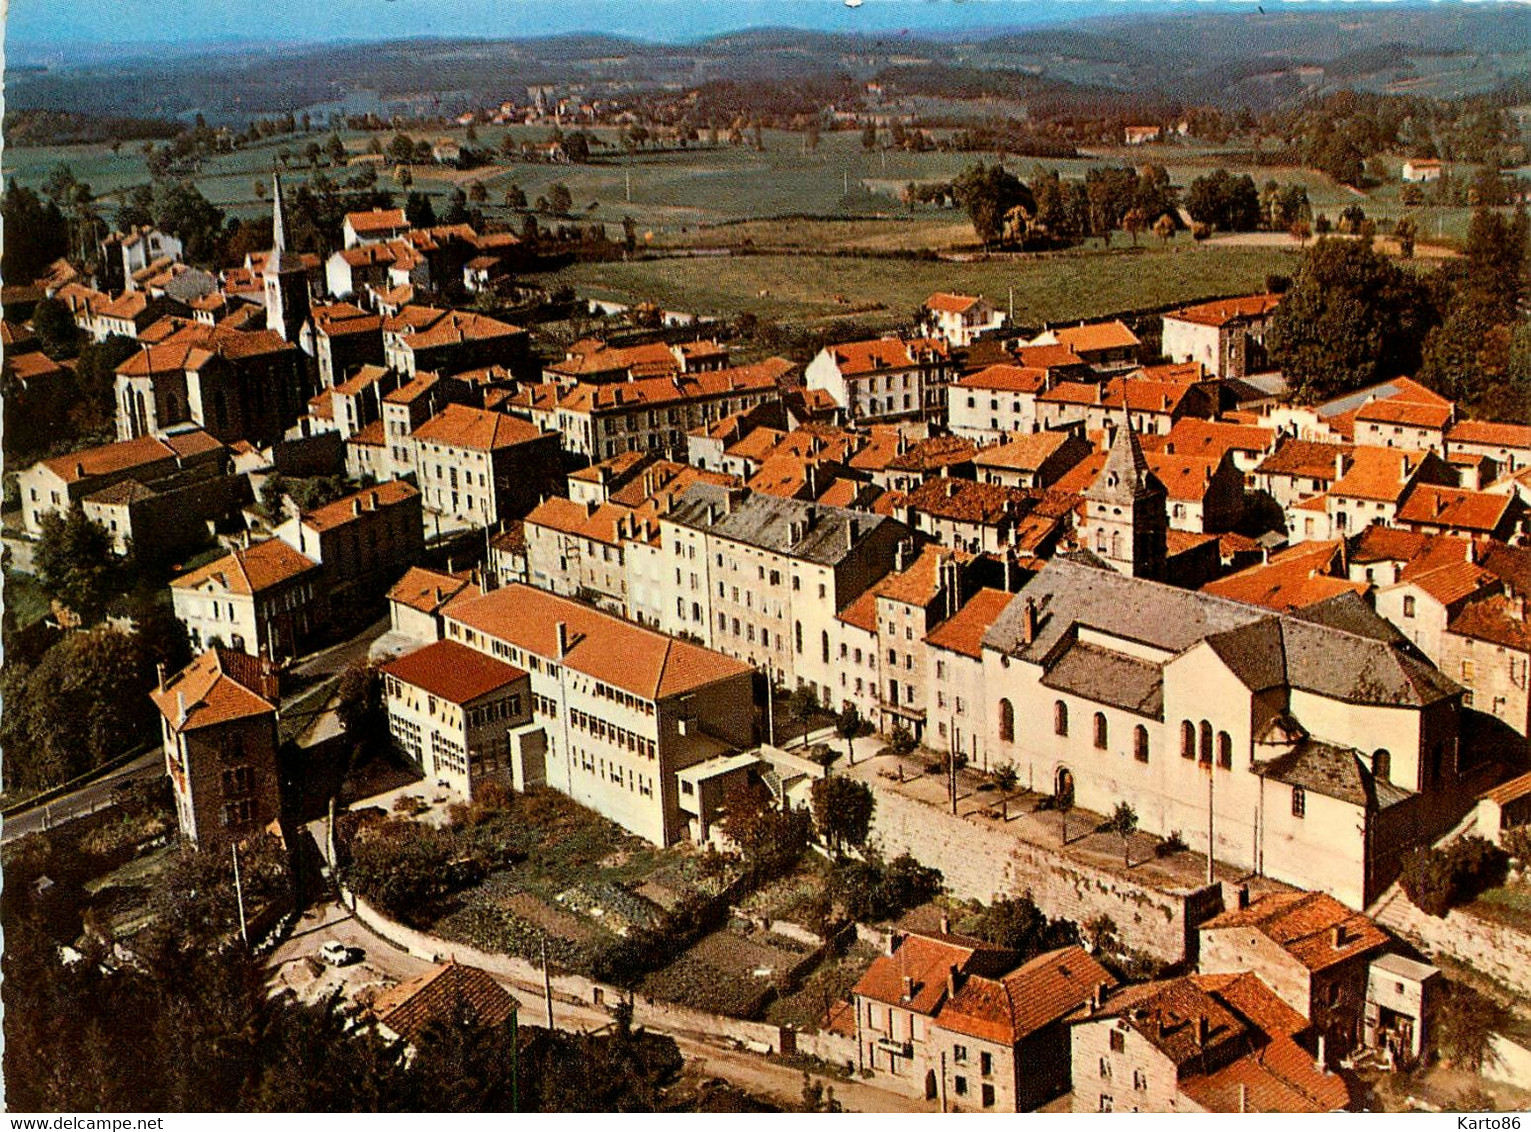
[239,896]
[547,983]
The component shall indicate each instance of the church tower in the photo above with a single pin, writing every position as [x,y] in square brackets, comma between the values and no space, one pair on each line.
[1126,517]
[286,280]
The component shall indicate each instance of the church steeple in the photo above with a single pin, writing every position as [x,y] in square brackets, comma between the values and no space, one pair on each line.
[287,299]
[1126,516]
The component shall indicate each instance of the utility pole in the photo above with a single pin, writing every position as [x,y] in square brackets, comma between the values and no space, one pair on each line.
[515,1061]
[1209,818]
[951,762]
[1012,305]
[239,896]
[627,178]
[943,1081]
[770,706]
[547,983]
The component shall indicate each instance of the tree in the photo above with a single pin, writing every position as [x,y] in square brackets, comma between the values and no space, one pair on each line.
[515,197]
[1005,778]
[842,811]
[1124,823]
[629,234]
[848,725]
[75,563]
[988,193]
[771,840]
[1224,201]
[560,200]
[901,740]
[336,149]
[803,704]
[1017,924]
[401,149]
[55,327]
[457,208]
[182,210]
[1406,232]
[404,176]
[576,147]
[869,136]
[1465,1024]
[477,192]
[1164,228]
[817,1097]
[418,211]
[1496,260]
[1351,319]
[36,234]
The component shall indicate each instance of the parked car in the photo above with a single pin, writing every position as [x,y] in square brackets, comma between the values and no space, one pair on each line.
[337,954]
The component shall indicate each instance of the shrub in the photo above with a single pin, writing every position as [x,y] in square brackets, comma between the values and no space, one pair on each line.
[901,740]
[1438,879]
[1171,845]
[1517,843]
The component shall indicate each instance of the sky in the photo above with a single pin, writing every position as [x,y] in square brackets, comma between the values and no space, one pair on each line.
[40,25]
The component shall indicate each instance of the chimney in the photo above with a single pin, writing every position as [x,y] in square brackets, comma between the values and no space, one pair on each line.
[1341,464]
[1243,1098]
[180,709]
[953,976]
[1320,1060]
[589,508]
[1029,628]
[946,924]
[1472,553]
[563,639]
[1337,936]
[908,987]
[79,469]
[1169,449]
[356,506]
[1203,1031]
[159,671]
[1517,605]
[1243,896]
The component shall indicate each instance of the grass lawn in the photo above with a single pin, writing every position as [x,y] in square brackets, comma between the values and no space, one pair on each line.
[1508,904]
[795,287]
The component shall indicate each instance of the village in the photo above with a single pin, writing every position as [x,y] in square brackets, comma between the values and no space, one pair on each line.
[1109,713]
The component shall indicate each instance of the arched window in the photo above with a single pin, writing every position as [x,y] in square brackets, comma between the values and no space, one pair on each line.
[1006,722]
[1382,764]
[1224,750]
[1061,718]
[1187,740]
[1140,743]
[1100,731]
[1206,742]
[1100,540]
[1116,544]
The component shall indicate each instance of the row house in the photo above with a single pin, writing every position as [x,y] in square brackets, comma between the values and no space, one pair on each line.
[1308,753]
[981,518]
[133,312]
[996,402]
[959,319]
[887,625]
[1227,336]
[594,361]
[1374,482]
[265,600]
[1103,346]
[453,342]
[163,518]
[351,406]
[916,463]
[1507,445]
[1302,575]
[60,483]
[1248,444]
[364,542]
[477,468]
[1033,461]
[953,1018]
[1400,413]
[342,338]
[407,408]
[418,601]
[1152,407]
[619,710]
[578,549]
[884,379]
[954,696]
[377,225]
[651,414]
[1434,510]
[454,713]
[218,728]
[762,578]
[1199,1043]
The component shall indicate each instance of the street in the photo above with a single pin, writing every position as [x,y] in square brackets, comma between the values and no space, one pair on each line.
[87,799]
[384,964]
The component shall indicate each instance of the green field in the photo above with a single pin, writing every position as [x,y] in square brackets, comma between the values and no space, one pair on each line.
[675,196]
[798,287]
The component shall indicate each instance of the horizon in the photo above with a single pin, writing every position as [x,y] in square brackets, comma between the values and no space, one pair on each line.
[41,31]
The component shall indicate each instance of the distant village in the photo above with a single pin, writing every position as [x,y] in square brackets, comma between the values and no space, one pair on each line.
[1105,575]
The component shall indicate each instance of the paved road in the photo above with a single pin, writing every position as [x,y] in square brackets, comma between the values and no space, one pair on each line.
[87,799]
[337,658]
[385,964]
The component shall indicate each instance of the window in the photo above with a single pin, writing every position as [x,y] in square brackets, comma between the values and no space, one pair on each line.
[986,1065]
[1118,1041]
[1408,605]
[1467,672]
[959,1054]
[988,1094]
[1105,1103]
[1224,750]
[1105,1069]
[1299,802]
[1206,742]
[1006,721]
[1100,731]
[1060,718]
[1187,740]
[1139,1079]
[824,642]
[960,1084]
[1140,743]
[1382,764]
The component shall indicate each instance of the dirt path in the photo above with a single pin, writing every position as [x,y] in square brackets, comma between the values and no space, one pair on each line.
[1385,244]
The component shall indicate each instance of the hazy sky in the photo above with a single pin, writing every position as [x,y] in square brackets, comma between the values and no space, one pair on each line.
[35,24]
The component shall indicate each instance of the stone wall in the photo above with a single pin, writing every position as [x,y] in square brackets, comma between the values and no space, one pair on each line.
[980,862]
[1499,951]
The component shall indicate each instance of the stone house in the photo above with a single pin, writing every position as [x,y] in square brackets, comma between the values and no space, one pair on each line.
[265,600]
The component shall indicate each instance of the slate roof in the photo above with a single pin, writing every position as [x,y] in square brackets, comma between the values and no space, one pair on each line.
[1263,649]
[767,521]
[1335,772]
[1124,478]
[1108,677]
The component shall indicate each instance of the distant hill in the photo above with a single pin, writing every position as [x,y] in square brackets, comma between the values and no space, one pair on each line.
[1263,61]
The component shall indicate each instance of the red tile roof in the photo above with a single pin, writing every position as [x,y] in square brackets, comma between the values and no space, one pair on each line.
[1392,410]
[1048,357]
[948,303]
[1025,453]
[606,648]
[1007,379]
[1096,336]
[209,694]
[458,426]
[1491,433]
[250,571]
[1038,993]
[439,997]
[1498,619]
[453,672]
[351,508]
[1219,312]
[963,631]
[915,975]
[1478,512]
[1192,435]
[879,355]
[1303,924]
[377,220]
[430,591]
[1296,578]
[126,455]
[1377,473]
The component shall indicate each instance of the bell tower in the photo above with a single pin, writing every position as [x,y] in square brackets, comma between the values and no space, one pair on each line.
[1126,518]
[287,299]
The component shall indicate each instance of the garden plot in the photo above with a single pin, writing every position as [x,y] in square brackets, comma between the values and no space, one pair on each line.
[729,972]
